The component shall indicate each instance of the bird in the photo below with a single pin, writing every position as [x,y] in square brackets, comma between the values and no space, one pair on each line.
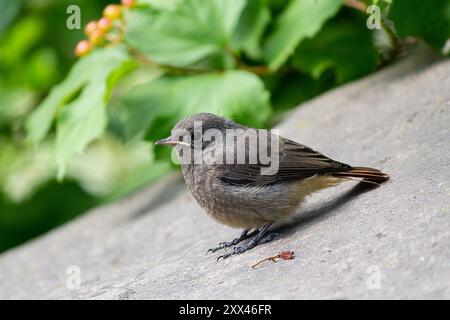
[240,194]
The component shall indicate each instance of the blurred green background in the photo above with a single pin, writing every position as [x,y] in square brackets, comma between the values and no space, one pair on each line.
[253,61]
[36,52]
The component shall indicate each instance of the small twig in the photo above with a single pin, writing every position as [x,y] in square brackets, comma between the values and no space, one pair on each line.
[395,41]
[355,4]
[114,39]
[284,255]
[259,70]
[145,60]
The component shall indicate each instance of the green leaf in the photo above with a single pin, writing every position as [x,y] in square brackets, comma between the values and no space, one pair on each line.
[110,169]
[290,89]
[78,104]
[9,10]
[42,69]
[139,177]
[51,205]
[161,4]
[429,20]
[20,39]
[15,104]
[252,23]
[153,108]
[381,3]
[193,31]
[345,47]
[301,19]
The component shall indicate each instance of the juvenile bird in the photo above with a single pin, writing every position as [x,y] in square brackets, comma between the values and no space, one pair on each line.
[227,175]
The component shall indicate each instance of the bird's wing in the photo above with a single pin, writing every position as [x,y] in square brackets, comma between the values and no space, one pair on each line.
[296,162]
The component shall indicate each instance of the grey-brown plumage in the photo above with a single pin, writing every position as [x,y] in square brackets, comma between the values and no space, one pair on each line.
[240,196]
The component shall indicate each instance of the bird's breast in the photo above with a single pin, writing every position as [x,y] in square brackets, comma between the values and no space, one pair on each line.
[239,206]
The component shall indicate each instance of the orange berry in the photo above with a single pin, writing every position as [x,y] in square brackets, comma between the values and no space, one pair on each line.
[83,47]
[104,24]
[112,11]
[90,27]
[128,3]
[96,37]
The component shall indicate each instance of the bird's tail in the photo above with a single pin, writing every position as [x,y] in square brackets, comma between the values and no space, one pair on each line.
[363,174]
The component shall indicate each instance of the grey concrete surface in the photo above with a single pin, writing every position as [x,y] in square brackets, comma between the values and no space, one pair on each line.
[350,242]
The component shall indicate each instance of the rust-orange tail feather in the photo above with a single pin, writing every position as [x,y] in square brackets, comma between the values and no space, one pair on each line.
[364,174]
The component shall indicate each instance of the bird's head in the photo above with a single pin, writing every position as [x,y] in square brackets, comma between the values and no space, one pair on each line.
[193,129]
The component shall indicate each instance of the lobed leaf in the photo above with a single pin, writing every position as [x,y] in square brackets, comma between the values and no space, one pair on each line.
[248,34]
[300,20]
[429,20]
[156,106]
[192,31]
[343,46]
[78,104]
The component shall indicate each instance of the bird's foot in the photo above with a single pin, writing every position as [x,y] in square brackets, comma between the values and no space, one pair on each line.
[250,245]
[224,245]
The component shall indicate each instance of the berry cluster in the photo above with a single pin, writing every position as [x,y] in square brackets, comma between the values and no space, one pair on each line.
[98,31]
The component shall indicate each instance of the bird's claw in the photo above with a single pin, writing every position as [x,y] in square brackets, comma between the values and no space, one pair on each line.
[224,245]
[258,236]
[219,247]
[253,243]
[236,250]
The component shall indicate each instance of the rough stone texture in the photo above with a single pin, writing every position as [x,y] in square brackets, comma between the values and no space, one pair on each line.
[152,245]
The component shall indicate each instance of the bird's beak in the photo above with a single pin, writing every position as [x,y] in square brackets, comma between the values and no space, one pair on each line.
[167,141]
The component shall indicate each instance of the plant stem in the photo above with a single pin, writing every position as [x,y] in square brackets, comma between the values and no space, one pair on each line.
[355,4]
[259,70]
[169,68]
[395,41]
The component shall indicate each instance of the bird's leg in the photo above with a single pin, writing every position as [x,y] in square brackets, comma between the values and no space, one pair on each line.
[244,235]
[260,238]
[268,238]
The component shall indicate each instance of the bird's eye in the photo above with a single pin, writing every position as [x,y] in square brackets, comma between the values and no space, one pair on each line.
[196,136]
